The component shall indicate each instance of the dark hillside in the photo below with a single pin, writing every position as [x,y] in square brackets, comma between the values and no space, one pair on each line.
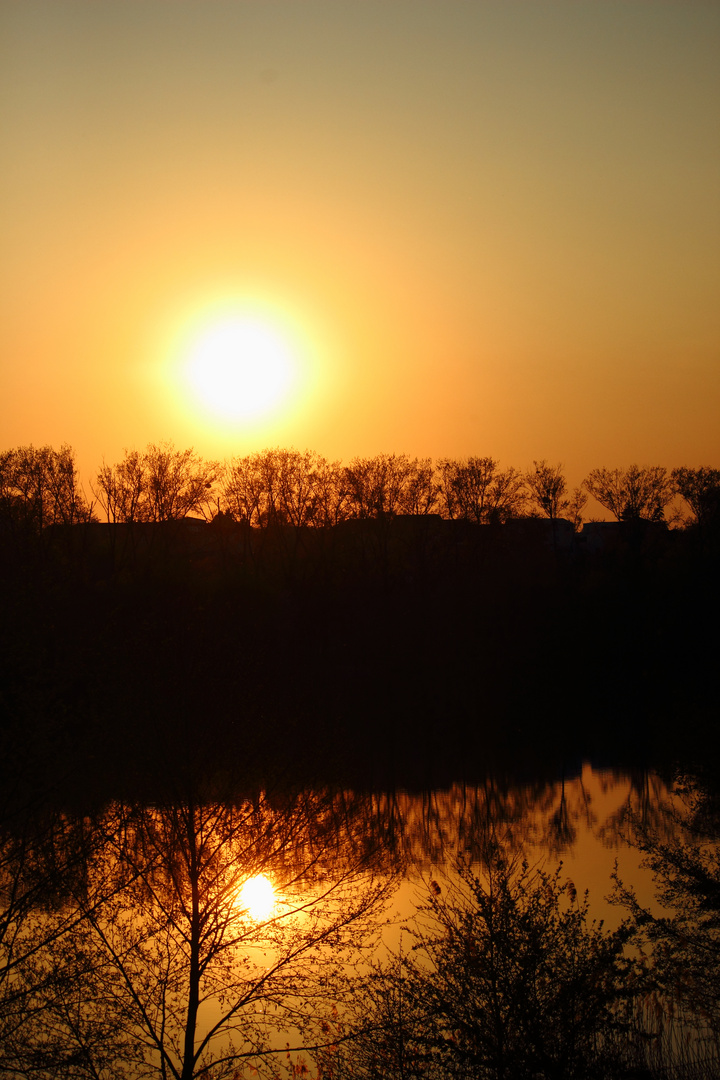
[398,649]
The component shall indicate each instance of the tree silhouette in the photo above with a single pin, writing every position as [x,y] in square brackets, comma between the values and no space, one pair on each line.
[390,484]
[632,494]
[39,486]
[684,941]
[700,488]
[42,855]
[507,978]
[278,486]
[171,967]
[121,489]
[548,489]
[179,482]
[159,484]
[477,490]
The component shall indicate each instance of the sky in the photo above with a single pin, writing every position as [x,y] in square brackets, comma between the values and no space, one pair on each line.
[477,227]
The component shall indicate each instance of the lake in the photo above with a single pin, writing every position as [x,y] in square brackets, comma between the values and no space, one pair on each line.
[129,947]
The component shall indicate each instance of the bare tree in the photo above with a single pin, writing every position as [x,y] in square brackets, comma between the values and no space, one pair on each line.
[390,484]
[681,931]
[374,485]
[39,486]
[242,490]
[283,485]
[42,855]
[700,488]
[632,494]
[549,493]
[576,504]
[548,489]
[297,496]
[307,488]
[157,484]
[331,495]
[421,490]
[121,489]
[180,482]
[477,490]
[193,979]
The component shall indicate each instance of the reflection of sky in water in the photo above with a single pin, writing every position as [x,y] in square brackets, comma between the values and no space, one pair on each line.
[583,821]
[314,844]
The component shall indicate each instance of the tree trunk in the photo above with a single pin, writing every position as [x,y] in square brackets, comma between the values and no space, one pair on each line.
[188,1068]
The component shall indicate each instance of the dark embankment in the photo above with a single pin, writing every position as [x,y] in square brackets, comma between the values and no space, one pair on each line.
[404,651]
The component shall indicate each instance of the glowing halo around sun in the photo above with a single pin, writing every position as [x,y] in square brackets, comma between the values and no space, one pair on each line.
[251,367]
[241,367]
[257,896]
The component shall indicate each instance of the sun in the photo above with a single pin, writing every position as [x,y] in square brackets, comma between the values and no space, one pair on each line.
[241,367]
[235,364]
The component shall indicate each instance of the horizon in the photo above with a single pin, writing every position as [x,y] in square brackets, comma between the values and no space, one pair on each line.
[677,511]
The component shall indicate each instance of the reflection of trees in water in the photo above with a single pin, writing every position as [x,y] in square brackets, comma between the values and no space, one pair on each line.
[150,964]
[507,977]
[647,802]
[39,856]
[562,831]
[681,845]
[433,827]
[125,948]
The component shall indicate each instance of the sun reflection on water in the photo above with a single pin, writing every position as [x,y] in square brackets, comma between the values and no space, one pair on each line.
[257,896]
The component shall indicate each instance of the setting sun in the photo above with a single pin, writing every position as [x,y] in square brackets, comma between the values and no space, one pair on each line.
[240,367]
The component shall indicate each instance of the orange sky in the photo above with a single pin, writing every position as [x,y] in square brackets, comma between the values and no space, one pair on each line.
[492,227]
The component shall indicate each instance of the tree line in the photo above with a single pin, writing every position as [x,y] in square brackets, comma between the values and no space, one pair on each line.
[40,486]
[386,575]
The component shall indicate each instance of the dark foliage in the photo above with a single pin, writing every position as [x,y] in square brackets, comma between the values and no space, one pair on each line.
[681,934]
[507,978]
